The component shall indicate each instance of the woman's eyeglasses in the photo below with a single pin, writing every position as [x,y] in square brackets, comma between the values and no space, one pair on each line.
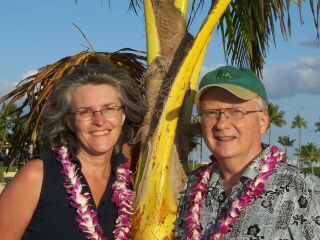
[88,114]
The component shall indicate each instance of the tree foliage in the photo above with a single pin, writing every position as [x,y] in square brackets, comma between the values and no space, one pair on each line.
[310,154]
[299,123]
[317,126]
[286,142]
[276,117]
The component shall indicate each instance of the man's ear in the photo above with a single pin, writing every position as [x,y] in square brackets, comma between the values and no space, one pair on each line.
[264,122]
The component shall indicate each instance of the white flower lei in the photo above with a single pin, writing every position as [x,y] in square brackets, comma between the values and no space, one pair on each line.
[87,217]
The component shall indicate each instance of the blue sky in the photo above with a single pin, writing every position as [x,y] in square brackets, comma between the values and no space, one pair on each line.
[36,33]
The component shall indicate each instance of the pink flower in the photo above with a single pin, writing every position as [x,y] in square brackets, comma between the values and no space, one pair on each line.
[122,197]
[86,217]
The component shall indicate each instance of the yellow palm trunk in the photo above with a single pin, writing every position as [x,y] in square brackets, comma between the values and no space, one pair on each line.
[153,44]
[156,205]
[182,6]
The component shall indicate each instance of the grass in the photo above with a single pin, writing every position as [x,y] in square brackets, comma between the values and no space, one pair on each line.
[196,166]
[316,170]
[4,169]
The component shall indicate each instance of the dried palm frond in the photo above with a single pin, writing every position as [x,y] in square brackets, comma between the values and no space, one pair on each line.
[34,91]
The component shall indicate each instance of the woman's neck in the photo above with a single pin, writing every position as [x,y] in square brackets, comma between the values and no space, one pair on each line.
[97,165]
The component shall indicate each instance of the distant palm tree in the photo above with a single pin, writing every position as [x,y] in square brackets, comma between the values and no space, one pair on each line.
[276,118]
[299,123]
[317,125]
[8,116]
[310,153]
[286,142]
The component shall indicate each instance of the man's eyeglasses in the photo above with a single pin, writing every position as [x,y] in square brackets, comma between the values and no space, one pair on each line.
[88,114]
[235,115]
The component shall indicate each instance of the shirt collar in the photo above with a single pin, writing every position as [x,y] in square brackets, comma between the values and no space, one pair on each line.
[252,170]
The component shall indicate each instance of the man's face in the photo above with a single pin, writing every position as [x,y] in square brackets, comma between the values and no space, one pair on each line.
[226,138]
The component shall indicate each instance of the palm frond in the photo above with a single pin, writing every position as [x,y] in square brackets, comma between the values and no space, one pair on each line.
[34,90]
[247,27]
[134,4]
[196,6]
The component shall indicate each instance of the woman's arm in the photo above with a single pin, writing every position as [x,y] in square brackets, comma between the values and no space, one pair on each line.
[19,200]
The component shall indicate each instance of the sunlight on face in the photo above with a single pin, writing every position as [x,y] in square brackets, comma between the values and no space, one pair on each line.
[226,139]
[99,134]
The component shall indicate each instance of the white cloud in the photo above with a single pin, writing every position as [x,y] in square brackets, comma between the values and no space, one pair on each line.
[309,43]
[298,76]
[27,74]
[6,87]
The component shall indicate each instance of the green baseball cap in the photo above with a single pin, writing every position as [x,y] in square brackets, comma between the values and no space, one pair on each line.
[241,82]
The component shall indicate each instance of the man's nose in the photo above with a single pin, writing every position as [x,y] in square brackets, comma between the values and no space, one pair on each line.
[222,120]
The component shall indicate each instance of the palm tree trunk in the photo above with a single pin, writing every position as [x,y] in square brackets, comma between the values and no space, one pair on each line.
[299,148]
[159,183]
[270,135]
[193,157]
[286,152]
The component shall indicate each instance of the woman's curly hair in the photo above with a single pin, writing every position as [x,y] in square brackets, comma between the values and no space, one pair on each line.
[54,128]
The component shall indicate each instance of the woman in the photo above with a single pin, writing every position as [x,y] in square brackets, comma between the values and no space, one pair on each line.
[81,191]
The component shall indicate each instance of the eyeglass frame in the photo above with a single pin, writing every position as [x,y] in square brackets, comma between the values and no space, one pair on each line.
[220,111]
[93,112]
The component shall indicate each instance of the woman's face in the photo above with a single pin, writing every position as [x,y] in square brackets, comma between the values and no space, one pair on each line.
[97,119]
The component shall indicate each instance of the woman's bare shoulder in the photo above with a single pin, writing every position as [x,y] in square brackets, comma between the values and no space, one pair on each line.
[23,194]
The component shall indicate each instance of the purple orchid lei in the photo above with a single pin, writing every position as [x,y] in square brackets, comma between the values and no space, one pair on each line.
[254,189]
[122,197]
[86,217]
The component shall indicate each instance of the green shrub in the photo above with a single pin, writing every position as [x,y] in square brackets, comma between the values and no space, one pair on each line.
[11,169]
[196,166]
[315,169]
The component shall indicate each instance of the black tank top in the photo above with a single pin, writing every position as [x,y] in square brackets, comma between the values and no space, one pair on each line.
[54,218]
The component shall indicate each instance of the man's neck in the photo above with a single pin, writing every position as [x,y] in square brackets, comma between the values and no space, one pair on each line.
[232,169]
[230,174]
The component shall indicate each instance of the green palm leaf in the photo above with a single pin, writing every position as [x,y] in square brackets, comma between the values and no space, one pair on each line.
[248,27]
[276,118]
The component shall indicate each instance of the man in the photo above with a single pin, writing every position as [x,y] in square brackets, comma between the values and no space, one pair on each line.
[247,192]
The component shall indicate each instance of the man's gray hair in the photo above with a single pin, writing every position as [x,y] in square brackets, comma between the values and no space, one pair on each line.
[262,104]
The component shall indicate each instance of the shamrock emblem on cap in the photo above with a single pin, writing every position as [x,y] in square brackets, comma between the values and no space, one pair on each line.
[223,74]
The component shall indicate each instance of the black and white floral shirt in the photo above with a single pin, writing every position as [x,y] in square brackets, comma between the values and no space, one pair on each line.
[289,207]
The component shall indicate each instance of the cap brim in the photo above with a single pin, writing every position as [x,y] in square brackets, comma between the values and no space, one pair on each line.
[239,92]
